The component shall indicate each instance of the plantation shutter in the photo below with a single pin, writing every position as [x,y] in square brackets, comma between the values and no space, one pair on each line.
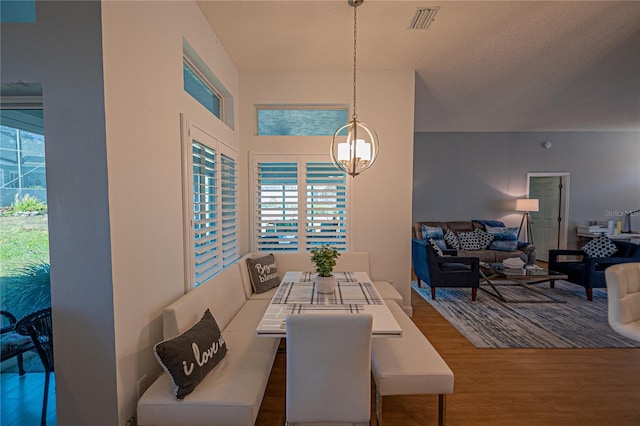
[299,202]
[276,206]
[326,206]
[229,203]
[205,213]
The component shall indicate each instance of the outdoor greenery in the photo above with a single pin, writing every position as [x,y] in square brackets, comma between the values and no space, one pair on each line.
[26,204]
[325,259]
[24,264]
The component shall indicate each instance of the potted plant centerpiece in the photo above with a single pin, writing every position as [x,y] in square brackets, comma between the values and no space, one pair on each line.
[325,259]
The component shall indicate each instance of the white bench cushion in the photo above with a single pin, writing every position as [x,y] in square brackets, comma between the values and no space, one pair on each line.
[388,291]
[408,365]
[231,394]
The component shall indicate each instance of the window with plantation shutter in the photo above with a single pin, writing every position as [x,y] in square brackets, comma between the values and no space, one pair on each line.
[326,206]
[211,205]
[229,202]
[299,202]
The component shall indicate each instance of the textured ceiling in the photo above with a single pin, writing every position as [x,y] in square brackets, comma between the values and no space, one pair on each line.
[481,66]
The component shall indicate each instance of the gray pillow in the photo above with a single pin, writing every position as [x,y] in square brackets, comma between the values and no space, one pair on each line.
[189,357]
[263,273]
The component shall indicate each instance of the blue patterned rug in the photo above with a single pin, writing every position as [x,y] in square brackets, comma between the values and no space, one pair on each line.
[491,323]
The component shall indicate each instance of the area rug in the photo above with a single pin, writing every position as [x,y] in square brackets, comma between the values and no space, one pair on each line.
[491,323]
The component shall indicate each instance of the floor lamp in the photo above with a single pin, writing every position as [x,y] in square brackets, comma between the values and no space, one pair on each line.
[526,205]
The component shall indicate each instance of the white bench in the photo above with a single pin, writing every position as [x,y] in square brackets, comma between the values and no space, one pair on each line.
[231,394]
[409,365]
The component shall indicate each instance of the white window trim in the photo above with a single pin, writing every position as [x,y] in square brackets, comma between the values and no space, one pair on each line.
[301,159]
[188,132]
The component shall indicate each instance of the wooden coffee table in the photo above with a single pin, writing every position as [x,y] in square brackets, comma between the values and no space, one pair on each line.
[521,278]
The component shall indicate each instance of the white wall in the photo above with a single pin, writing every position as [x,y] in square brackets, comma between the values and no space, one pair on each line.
[465,176]
[381,206]
[144,97]
[63,51]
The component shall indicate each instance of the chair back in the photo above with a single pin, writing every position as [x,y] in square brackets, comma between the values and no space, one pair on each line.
[37,325]
[328,368]
[623,293]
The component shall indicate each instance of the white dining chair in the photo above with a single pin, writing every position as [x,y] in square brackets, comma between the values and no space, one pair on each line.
[623,295]
[328,368]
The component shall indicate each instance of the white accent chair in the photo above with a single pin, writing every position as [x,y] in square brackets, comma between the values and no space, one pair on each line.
[623,289]
[329,368]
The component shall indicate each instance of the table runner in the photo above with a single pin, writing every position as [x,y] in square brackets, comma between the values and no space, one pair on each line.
[345,293]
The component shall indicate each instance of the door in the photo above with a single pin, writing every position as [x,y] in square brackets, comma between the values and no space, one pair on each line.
[548,225]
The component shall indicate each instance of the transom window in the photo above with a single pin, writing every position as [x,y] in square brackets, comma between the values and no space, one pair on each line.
[300,120]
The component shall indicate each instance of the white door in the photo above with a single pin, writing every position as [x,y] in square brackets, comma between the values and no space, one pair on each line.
[548,226]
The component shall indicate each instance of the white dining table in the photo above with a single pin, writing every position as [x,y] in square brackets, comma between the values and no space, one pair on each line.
[354,294]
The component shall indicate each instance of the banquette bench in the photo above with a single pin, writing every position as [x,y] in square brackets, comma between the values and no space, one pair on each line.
[232,392]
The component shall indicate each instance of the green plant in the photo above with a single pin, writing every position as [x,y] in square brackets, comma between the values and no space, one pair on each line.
[26,290]
[325,259]
[28,203]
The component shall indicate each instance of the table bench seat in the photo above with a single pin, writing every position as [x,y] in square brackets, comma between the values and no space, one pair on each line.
[409,365]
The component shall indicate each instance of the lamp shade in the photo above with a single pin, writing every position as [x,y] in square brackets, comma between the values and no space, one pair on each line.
[527,205]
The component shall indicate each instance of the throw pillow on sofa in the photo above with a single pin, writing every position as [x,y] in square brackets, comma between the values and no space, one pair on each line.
[190,356]
[484,238]
[435,233]
[469,240]
[504,238]
[436,247]
[451,240]
[601,246]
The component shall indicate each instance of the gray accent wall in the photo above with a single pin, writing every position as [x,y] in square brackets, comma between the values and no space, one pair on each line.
[464,176]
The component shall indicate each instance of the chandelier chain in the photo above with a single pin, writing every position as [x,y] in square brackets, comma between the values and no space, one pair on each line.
[355,47]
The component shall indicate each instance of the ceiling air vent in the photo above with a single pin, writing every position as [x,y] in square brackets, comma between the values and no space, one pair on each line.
[423,18]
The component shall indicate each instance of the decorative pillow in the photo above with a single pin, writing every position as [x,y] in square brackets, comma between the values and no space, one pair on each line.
[435,233]
[435,247]
[468,241]
[484,238]
[263,273]
[600,246]
[504,238]
[189,357]
[451,239]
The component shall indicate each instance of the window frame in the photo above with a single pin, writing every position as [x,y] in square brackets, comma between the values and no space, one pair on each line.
[301,160]
[205,81]
[190,133]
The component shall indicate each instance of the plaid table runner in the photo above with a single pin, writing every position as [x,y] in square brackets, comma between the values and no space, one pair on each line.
[307,277]
[346,293]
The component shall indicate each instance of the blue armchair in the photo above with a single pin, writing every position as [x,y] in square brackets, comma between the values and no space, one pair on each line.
[446,271]
[589,271]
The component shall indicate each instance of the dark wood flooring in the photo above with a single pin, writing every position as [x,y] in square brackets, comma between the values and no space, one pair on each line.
[510,387]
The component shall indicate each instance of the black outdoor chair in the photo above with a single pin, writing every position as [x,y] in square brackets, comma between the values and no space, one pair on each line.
[13,343]
[38,326]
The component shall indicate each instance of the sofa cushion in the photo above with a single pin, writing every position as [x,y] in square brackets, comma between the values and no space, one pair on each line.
[484,238]
[434,233]
[600,246]
[451,239]
[504,238]
[483,223]
[190,356]
[468,240]
[263,273]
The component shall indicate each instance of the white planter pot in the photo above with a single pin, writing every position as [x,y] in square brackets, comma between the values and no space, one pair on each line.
[325,284]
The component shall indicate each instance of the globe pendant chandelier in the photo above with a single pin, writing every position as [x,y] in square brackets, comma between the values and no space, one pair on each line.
[354,147]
